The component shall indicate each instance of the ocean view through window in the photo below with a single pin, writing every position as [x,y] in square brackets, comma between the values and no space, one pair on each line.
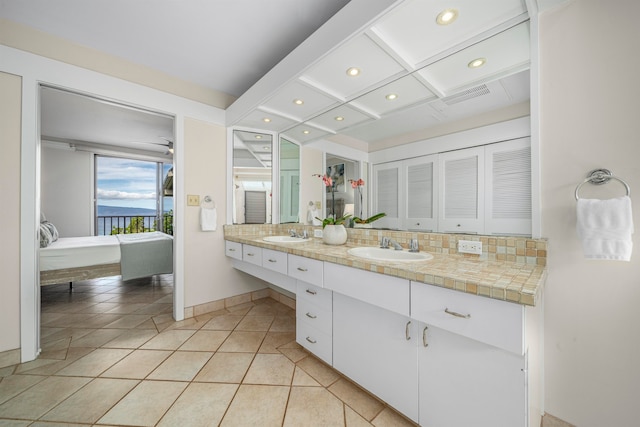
[133,196]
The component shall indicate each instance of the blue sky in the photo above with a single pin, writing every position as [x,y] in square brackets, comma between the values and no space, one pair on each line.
[127,183]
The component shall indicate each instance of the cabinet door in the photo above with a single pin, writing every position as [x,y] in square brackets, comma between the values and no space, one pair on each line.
[420,176]
[464,382]
[461,206]
[508,183]
[370,346]
[387,182]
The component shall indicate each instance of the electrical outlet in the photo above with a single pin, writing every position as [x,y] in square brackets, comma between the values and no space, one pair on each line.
[317,232]
[470,247]
[193,200]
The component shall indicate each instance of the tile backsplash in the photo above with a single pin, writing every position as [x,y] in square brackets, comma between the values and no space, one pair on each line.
[521,250]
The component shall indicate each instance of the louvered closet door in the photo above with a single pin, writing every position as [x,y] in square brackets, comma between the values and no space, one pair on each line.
[508,202]
[462,191]
[421,195]
[387,186]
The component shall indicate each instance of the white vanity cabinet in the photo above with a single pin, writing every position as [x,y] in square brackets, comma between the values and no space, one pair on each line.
[314,320]
[471,359]
[252,254]
[233,249]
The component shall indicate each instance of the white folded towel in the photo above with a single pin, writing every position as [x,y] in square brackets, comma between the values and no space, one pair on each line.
[208,219]
[605,228]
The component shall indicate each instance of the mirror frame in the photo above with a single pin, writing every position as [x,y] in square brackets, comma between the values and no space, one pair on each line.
[282,137]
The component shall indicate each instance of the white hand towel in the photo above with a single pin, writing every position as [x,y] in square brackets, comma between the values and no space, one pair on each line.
[605,228]
[208,219]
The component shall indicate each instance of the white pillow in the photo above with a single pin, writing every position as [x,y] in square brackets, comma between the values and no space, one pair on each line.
[45,236]
[53,230]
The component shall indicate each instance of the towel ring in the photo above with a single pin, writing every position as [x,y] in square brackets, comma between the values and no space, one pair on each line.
[599,177]
[208,199]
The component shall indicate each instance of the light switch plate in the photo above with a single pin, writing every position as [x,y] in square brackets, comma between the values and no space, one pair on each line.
[193,200]
[470,247]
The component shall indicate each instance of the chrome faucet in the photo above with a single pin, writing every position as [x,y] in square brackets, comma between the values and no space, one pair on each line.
[294,233]
[413,245]
[386,241]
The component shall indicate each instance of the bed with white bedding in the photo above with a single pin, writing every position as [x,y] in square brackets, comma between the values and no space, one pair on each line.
[130,255]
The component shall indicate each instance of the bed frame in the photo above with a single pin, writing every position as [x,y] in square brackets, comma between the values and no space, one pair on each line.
[69,275]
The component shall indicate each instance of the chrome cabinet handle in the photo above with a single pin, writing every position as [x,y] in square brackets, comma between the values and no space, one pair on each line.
[311,341]
[302,269]
[407,331]
[250,254]
[453,313]
[309,291]
[424,337]
[311,316]
[231,250]
[272,260]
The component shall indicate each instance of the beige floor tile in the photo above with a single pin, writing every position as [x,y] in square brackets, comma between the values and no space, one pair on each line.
[241,341]
[7,371]
[155,308]
[97,338]
[13,385]
[94,363]
[274,340]
[257,405]
[302,379]
[225,322]
[353,419]
[137,365]
[356,398]
[240,309]
[313,406]
[59,333]
[201,404]
[129,321]
[91,402]
[255,323]
[14,423]
[149,324]
[127,308]
[181,366]
[205,341]
[145,404]
[168,340]
[50,366]
[273,369]
[262,309]
[101,320]
[131,339]
[283,324]
[320,372]
[37,401]
[390,418]
[225,368]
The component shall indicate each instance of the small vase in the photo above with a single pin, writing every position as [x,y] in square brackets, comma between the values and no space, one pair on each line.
[334,234]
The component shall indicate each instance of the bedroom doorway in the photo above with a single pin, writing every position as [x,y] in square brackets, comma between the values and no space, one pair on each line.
[76,129]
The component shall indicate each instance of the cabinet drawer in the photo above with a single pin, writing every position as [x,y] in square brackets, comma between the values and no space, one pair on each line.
[317,342]
[274,260]
[233,249]
[314,315]
[306,269]
[252,254]
[314,294]
[391,293]
[493,322]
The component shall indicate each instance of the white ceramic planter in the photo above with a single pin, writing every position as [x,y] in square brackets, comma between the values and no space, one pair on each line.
[334,235]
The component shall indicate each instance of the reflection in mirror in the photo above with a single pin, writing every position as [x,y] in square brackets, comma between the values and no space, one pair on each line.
[289,181]
[341,198]
[252,160]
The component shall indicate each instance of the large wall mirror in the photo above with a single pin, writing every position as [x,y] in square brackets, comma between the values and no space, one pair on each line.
[341,198]
[289,181]
[252,182]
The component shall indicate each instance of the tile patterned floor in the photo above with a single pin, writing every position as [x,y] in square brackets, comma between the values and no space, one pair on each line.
[113,356]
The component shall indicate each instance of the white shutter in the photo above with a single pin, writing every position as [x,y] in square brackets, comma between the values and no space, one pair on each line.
[421,183]
[387,185]
[508,207]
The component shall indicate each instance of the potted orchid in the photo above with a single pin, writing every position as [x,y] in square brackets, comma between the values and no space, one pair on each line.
[359,222]
[333,231]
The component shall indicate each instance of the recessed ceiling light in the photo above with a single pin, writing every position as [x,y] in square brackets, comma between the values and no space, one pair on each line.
[258,136]
[391,96]
[353,71]
[447,16]
[266,120]
[477,63]
[339,118]
[306,132]
[266,148]
[298,101]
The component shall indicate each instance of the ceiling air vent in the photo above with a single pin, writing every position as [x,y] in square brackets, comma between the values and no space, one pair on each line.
[467,94]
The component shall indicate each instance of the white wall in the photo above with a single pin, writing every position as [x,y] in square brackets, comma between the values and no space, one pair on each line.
[311,189]
[10,104]
[589,119]
[67,190]
[208,273]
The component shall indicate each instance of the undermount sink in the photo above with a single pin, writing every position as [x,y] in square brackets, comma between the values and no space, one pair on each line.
[284,239]
[380,254]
